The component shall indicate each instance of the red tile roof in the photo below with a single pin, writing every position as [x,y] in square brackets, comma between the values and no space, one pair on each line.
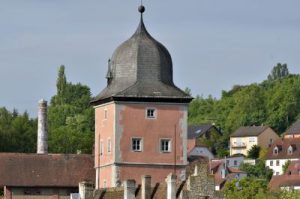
[45,170]
[283,145]
[294,167]
[284,181]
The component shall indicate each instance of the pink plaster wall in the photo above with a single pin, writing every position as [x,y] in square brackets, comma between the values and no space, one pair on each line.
[106,174]
[104,129]
[134,123]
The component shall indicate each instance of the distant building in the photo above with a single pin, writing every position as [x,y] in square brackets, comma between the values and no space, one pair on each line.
[231,161]
[222,173]
[244,138]
[282,151]
[141,116]
[196,134]
[44,175]
[290,180]
[293,131]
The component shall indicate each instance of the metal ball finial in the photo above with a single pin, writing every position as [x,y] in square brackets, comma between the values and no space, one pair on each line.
[142,9]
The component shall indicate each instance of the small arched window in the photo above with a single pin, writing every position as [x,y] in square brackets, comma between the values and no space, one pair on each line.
[290,150]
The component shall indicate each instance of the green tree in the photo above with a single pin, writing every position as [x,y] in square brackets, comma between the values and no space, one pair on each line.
[246,188]
[279,71]
[253,153]
[259,170]
[17,132]
[71,119]
[286,166]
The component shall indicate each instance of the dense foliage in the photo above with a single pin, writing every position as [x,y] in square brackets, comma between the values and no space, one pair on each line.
[274,102]
[254,152]
[246,188]
[17,132]
[259,170]
[71,118]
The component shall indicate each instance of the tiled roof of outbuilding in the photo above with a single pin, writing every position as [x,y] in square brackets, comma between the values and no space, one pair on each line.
[45,170]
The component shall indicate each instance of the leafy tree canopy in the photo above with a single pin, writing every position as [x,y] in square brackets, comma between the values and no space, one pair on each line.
[253,153]
[279,71]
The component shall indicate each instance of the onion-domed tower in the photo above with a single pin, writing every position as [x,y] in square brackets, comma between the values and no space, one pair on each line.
[141,116]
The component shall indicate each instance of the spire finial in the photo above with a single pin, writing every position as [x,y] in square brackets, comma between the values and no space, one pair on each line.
[141,8]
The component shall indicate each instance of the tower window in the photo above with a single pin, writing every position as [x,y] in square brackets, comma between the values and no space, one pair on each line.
[151,113]
[105,114]
[165,145]
[136,144]
[109,145]
[101,148]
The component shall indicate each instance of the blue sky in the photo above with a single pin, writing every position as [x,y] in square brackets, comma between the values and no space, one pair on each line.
[214,44]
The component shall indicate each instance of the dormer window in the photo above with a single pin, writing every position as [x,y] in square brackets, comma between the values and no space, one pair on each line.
[290,150]
[275,151]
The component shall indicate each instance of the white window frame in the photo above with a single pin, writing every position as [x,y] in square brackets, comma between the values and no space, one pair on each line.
[154,115]
[169,145]
[271,163]
[109,145]
[141,144]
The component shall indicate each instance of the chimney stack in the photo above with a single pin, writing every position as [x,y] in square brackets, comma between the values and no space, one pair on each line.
[42,139]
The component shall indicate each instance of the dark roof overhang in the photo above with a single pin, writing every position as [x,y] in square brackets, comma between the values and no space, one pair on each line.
[142,99]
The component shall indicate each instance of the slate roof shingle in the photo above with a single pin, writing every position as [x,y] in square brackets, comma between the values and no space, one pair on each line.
[141,68]
[198,130]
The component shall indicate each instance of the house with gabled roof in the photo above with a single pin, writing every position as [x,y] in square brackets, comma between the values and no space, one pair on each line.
[196,133]
[290,180]
[25,175]
[280,152]
[245,137]
[293,131]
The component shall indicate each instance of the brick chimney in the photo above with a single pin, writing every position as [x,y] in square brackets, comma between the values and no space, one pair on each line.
[42,139]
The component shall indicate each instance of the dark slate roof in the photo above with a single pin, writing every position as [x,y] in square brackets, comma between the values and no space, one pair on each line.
[45,170]
[198,130]
[141,67]
[246,131]
[283,145]
[294,129]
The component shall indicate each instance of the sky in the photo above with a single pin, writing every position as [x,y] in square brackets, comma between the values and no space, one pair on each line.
[214,44]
